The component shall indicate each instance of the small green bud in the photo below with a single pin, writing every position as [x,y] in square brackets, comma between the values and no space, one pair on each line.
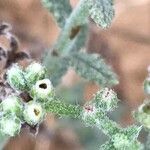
[34,72]
[12,104]
[147,85]
[10,125]
[33,113]
[122,142]
[43,89]
[105,99]
[15,78]
[142,115]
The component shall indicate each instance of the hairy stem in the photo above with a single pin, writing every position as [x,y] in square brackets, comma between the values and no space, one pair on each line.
[62,109]
[108,126]
[71,29]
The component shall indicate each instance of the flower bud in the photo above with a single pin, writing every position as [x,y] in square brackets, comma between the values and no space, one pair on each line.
[105,99]
[121,141]
[33,113]
[147,85]
[34,72]
[12,104]
[142,115]
[15,77]
[10,125]
[43,89]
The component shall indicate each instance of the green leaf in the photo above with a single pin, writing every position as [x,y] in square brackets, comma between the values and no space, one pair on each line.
[56,68]
[61,9]
[102,12]
[92,67]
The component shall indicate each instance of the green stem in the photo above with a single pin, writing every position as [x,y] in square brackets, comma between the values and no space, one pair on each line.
[77,18]
[62,109]
[102,122]
[108,126]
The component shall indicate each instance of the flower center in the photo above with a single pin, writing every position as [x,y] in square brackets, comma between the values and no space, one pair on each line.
[36,111]
[43,86]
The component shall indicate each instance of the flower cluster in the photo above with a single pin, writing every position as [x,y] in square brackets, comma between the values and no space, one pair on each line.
[15,111]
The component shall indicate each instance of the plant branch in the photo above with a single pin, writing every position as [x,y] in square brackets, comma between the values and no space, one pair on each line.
[71,29]
[63,109]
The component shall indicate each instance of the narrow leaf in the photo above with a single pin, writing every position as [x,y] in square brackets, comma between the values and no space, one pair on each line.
[61,9]
[92,67]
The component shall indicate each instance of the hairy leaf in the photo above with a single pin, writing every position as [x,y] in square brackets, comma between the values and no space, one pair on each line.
[93,68]
[102,12]
[61,9]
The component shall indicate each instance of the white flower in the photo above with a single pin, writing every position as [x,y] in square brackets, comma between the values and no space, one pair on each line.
[43,89]
[33,113]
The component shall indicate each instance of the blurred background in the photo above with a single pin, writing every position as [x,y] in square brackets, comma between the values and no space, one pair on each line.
[125,46]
